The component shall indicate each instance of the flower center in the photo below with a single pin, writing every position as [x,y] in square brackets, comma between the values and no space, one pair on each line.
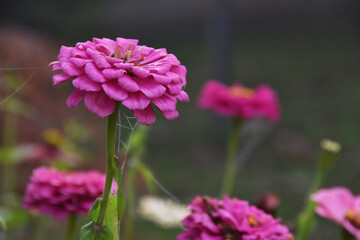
[241,92]
[119,53]
[353,217]
[254,222]
[126,56]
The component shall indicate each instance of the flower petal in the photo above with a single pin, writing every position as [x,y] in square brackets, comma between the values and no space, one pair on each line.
[94,73]
[84,83]
[171,115]
[75,97]
[99,103]
[181,71]
[65,52]
[183,97]
[79,62]
[161,78]
[99,60]
[71,70]
[125,66]
[150,88]
[146,116]
[110,73]
[140,72]
[165,103]
[114,91]
[126,82]
[174,89]
[60,77]
[175,78]
[136,101]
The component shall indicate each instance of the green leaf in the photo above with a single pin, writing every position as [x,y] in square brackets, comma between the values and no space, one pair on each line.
[94,210]
[110,221]
[92,232]
[2,225]
[121,200]
[110,216]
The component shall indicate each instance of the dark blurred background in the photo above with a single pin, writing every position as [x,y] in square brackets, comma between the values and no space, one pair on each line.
[308,51]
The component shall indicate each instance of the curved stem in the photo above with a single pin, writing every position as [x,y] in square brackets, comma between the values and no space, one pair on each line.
[110,154]
[306,220]
[71,226]
[230,167]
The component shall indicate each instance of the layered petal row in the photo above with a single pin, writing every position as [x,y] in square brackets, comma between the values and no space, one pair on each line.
[59,193]
[104,71]
[213,219]
[238,101]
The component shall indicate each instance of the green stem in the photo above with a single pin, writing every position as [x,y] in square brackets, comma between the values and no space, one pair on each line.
[71,226]
[110,154]
[307,217]
[130,195]
[230,167]
[9,142]
[306,220]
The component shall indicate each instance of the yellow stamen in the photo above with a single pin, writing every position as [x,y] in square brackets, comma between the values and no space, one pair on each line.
[353,217]
[241,92]
[252,221]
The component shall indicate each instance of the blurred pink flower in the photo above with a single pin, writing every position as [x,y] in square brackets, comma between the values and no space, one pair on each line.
[37,153]
[59,193]
[340,205]
[105,71]
[213,219]
[269,203]
[238,101]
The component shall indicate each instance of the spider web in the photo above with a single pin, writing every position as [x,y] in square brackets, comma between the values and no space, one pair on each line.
[125,127]
[124,124]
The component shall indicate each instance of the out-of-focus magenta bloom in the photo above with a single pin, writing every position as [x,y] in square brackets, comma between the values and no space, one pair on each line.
[239,101]
[59,193]
[340,205]
[36,153]
[213,219]
[269,203]
[104,71]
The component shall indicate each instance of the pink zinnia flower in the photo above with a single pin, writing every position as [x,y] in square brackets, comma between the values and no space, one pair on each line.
[213,219]
[104,71]
[239,101]
[59,193]
[340,205]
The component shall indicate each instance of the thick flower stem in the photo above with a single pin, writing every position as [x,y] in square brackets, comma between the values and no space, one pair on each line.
[71,226]
[230,167]
[110,154]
